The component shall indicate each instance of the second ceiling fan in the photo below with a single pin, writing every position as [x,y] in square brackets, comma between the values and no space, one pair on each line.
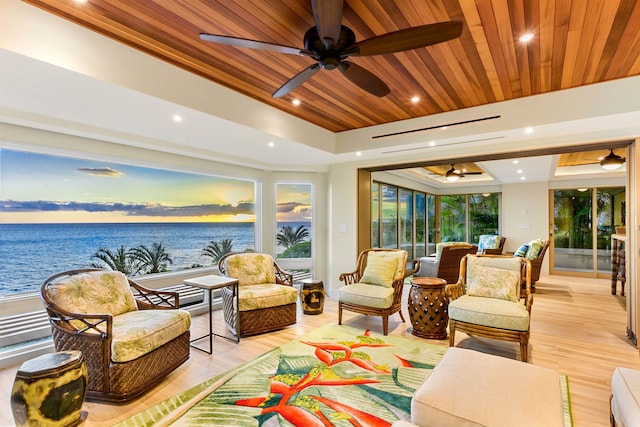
[330,43]
[454,174]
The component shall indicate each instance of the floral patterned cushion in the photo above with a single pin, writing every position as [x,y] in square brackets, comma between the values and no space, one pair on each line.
[488,241]
[535,246]
[266,295]
[95,292]
[494,278]
[137,333]
[250,268]
[380,269]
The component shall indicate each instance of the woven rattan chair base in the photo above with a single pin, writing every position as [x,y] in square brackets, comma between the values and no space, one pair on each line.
[258,321]
[121,382]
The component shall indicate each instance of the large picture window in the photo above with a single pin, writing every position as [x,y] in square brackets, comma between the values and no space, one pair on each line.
[61,213]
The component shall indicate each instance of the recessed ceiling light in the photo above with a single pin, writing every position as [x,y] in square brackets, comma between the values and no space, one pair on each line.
[528,130]
[358,153]
[270,144]
[80,1]
[515,162]
[519,170]
[522,178]
[525,38]
[415,99]
[296,102]
[432,143]
[177,118]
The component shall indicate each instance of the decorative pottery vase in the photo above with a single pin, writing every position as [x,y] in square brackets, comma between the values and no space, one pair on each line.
[312,296]
[49,390]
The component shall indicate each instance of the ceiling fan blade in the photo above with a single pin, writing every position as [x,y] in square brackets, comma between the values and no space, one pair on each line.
[328,17]
[408,38]
[252,44]
[363,78]
[296,81]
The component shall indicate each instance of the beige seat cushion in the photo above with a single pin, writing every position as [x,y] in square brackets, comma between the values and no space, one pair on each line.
[469,388]
[492,312]
[253,297]
[367,295]
[139,332]
[625,391]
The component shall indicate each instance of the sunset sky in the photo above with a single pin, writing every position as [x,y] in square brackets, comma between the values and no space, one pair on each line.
[39,188]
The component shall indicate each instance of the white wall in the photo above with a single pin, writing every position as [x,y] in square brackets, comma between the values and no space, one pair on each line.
[525,215]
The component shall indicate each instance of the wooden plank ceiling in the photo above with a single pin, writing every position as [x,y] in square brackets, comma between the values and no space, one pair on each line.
[576,43]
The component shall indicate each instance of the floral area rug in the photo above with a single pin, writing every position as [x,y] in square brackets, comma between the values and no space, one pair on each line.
[333,376]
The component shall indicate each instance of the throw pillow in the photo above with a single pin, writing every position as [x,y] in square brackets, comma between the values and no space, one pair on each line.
[251,268]
[491,282]
[522,250]
[380,269]
[488,241]
[535,246]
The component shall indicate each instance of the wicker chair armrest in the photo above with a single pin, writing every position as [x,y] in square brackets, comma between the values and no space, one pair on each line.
[283,277]
[152,299]
[416,266]
[455,290]
[88,326]
[349,278]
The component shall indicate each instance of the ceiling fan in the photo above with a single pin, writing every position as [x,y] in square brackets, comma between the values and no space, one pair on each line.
[454,174]
[330,43]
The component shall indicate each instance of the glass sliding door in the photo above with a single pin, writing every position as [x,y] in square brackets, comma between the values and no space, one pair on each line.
[610,214]
[421,224]
[389,217]
[375,215]
[573,230]
[483,215]
[453,218]
[406,221]
[432,228]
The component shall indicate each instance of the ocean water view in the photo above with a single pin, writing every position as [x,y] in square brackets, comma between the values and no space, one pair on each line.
[29,253]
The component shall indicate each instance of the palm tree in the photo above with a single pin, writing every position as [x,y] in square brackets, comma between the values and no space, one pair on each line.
[288,237]
[151,260]
[119,260]
[216,250]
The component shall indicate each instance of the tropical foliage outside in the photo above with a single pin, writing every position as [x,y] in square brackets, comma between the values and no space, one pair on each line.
[156,259]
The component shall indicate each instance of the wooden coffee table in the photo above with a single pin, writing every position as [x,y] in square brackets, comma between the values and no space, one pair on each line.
[428,304]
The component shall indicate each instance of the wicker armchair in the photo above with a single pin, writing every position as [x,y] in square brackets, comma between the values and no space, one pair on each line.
[486,300]
[445,266]
[266,294]
[129,342]
[374,288]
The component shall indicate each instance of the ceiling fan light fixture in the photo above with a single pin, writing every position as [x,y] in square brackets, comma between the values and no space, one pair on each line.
[452,175]
[612,161]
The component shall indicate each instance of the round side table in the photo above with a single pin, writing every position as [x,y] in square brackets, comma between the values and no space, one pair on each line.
[428,304]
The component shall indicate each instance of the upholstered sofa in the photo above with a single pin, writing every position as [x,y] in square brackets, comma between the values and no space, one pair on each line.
[130,336]
[625,397]
[266,294]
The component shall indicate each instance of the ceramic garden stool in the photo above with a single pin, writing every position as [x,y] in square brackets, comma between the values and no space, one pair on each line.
[312,296]
[49,390]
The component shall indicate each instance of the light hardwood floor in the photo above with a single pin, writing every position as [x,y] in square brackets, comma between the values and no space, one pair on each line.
[578,328]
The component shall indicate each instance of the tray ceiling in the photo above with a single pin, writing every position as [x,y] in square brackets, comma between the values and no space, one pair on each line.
[575,43]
